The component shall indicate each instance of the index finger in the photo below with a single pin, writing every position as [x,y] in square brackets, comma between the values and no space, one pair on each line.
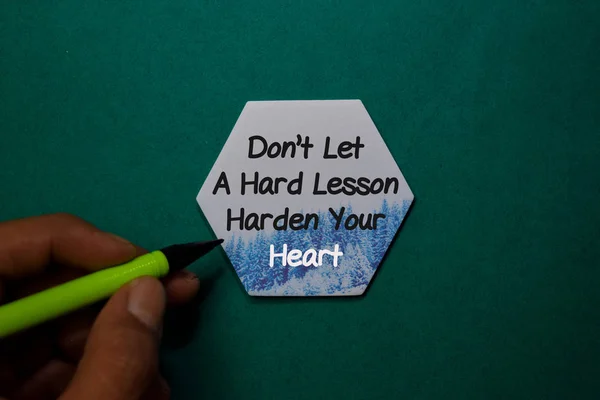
[28,245]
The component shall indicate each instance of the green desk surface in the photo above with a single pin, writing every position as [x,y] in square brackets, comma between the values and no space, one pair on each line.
[115,111]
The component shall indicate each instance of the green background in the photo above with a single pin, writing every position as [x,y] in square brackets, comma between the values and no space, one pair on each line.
[115,111]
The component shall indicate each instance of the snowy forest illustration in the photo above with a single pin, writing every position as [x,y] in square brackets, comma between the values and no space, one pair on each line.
[363,250]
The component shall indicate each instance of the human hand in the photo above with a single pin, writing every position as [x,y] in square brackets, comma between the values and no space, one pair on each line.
[86,355]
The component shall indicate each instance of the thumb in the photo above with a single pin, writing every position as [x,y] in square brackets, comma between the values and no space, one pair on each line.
[120,359]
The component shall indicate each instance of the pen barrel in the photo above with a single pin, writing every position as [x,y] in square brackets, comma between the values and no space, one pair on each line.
[63,299]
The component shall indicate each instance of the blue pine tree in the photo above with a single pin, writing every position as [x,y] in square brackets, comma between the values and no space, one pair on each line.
[362,270]
[257,274]
[385,210]
[305,243]
[365,244]
[327,234]
[379,245]
[229,246]
[363,250]
[345,269]
[261,248]
[239,261]
[235,253]
[394,222]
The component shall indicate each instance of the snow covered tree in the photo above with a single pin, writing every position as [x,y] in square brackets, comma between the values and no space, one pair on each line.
[365,243]
[257,274]
[230,245]
[236,253]
[361,271]
[363,250]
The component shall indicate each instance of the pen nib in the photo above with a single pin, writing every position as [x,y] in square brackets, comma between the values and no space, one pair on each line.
[182,255]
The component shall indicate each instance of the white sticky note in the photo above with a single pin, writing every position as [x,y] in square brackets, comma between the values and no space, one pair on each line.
[307,197]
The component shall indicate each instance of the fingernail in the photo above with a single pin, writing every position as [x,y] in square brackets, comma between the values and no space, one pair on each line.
[190,276]
[147,302]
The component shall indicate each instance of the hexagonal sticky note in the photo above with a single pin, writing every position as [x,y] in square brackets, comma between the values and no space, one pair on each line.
[307,197]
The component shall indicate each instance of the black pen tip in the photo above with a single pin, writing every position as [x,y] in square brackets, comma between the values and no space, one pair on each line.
[182,255]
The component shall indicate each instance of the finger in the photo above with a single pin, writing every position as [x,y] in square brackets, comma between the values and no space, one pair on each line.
[48,383]
[28,245]
[140,250]
[74,329]
[47,279]
[73,334]
[181,287]
[35,349]
[33,346]
[121,355]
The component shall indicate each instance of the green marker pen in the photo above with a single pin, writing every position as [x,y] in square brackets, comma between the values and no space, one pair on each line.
[63,299]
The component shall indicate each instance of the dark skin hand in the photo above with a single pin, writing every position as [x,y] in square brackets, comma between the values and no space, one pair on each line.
[110,353]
